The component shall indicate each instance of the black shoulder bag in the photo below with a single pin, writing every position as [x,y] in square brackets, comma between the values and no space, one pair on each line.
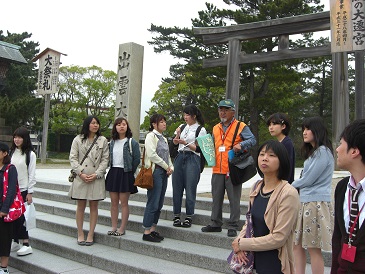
[242,166]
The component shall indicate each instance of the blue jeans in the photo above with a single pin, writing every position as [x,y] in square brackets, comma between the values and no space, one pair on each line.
[186,176]
[155,198]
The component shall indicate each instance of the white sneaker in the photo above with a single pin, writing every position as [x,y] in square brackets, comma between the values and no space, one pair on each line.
[14,246]
[4,270]
[25,250]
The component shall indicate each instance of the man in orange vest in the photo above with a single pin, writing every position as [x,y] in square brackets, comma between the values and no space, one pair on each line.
[223,134]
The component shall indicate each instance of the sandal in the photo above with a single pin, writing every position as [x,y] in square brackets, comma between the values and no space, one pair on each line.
[177,222]
[111,232]
[116,233]
[187,223]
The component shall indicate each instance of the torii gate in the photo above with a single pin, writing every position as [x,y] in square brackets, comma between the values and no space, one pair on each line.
[282,28]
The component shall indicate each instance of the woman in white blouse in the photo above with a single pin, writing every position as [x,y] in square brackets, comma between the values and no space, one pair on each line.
[24,159]
[187,165]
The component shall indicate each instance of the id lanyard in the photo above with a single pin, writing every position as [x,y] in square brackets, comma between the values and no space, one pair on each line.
[222,148]
[225,133]
[356,219]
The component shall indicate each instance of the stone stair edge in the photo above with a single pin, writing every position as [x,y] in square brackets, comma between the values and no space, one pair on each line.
[201,218]
[39,262]
[192,234]
[62,187]
[327,255]
[165,225]
[172,250]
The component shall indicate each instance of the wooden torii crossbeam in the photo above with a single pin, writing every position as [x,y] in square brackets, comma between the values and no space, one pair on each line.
[281,28]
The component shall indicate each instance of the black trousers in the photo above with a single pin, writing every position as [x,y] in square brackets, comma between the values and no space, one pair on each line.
[19,230]
[6,235]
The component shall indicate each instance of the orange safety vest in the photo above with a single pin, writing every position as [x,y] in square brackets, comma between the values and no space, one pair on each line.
[225,139]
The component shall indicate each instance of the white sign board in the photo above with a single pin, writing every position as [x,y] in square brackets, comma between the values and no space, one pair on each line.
[48,72]
[347,25]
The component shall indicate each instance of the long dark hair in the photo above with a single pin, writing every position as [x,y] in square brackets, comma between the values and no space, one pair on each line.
[280,151]
[115,134]
[5,148]
[320,134]
[27,146]
[192,110]
[85,130]
[155,119]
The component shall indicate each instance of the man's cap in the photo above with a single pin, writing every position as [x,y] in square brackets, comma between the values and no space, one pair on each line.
[228,103]
[4,147]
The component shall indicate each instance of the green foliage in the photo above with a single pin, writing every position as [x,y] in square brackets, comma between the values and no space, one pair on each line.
[299,88]
[171,98]
[83,92]
[18,104]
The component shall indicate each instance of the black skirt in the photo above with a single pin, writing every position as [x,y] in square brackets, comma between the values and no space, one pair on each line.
[119,181]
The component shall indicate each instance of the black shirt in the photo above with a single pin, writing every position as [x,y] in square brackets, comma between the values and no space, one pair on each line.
[265,262]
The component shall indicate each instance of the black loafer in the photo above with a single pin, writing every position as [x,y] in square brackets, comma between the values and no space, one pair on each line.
[157,235]
[150,238]
[210,228]
[232,233]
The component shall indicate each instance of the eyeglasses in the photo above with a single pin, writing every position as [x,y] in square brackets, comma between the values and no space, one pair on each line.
[224,109]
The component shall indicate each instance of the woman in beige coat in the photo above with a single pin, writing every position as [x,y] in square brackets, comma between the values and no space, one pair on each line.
[89,184]
[274,207]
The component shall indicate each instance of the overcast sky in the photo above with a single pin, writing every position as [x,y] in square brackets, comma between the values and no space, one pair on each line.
[90,32]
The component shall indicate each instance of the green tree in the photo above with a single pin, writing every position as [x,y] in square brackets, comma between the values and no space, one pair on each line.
[265,88]
[19,103]
[171,98]
[83,92]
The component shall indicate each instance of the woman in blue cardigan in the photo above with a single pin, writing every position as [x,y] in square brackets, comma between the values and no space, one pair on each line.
[124,160]
[315,221]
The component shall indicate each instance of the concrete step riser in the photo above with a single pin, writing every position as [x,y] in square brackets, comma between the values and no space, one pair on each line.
[85,259]
[201,203]
[200,219]
[28,267]
[150,250]
[135,225]
[169,232]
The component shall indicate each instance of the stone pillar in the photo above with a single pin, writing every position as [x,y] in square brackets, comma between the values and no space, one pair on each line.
[129,85]
[340,96]
[233,73]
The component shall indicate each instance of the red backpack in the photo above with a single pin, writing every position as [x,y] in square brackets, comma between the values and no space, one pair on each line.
[17,208]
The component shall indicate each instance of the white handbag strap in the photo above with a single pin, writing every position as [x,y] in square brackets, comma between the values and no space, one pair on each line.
[130,146]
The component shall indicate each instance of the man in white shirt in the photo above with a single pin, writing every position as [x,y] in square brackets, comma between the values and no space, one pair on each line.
[348,242]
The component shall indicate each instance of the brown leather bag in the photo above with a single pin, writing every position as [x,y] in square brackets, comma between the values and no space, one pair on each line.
[144,178]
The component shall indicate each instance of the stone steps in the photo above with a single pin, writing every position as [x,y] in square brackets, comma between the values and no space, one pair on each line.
[55,249]
[183,250]
[137,204]
[43,262]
